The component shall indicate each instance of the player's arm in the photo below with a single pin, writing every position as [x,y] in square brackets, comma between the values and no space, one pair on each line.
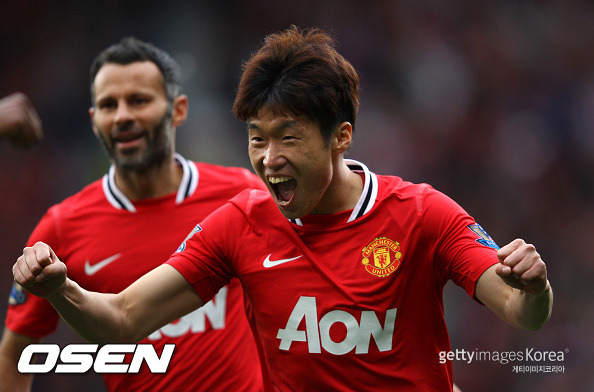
[517,288]
[19,121]
[11,346]
[156,299]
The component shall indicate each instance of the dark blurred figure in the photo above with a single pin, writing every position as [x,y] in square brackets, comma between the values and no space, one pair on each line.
[19,121]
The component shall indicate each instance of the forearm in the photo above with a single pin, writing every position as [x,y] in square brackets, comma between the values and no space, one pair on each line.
[12,380]
[517,307]
[528,311]
[97,317]
[155,299]
[11,346]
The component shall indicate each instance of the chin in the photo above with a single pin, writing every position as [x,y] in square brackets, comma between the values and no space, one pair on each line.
[289,214]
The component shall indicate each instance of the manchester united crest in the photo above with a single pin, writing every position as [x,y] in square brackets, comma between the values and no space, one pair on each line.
[382,257]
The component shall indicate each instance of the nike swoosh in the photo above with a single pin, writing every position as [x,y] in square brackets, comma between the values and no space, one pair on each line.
[93,269]
[272,263]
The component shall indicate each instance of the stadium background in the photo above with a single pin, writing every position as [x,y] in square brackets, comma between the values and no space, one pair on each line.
[491,102]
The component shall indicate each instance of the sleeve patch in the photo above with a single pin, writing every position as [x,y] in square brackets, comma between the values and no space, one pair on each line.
[195,230]
[484,238]
[17,296]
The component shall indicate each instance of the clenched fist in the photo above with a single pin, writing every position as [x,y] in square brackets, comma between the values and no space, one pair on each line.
[39,270]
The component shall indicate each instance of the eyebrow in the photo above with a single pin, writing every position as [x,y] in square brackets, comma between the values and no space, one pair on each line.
[283,125]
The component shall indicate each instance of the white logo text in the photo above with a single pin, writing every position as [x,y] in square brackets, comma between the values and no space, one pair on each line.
[78,358]
[317,334]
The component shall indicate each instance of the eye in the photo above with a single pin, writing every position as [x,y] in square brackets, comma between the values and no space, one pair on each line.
[289,138]
[256,139]
[139,101]
[108,104]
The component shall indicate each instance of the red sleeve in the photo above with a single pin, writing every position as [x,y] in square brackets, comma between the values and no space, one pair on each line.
[27,314]
[205,258]
[464,250]
[257,183]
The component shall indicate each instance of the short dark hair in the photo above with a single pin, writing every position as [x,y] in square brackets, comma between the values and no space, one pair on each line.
[299,71]
[130,50]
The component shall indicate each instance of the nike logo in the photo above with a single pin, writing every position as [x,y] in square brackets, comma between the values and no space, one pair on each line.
[272,263]
[93,269]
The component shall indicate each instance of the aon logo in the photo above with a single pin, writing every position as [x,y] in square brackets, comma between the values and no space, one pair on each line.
[214,310]
[317,334]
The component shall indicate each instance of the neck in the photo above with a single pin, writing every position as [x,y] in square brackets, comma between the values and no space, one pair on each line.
[343,192]
[153,182]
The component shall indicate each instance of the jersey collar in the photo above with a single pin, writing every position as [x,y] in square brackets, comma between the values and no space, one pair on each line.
[187,187]
[368,196]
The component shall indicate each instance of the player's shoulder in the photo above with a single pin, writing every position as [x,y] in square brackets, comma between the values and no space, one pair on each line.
[225,174]
[223,180]
[249,205]
[396,186]
[417,196]
[251,201]
[207,168]
[81,200]
[251,197]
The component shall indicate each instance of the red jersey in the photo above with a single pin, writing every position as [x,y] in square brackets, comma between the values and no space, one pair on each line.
[108,242]
[349,301]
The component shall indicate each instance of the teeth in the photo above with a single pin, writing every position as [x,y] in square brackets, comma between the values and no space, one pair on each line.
[276,180]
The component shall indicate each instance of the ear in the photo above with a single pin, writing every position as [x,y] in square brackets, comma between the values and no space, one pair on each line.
[180,110]
[92,115]
[343,137]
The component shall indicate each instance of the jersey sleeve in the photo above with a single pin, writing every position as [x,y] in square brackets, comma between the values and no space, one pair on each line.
[256,183]
[28,314]
[205,257]
[464,251]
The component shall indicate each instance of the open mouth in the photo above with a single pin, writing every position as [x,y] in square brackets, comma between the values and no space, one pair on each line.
[284,189]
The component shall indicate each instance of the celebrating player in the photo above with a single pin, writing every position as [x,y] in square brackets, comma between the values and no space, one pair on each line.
[19,121]
[116,229]
[343,269]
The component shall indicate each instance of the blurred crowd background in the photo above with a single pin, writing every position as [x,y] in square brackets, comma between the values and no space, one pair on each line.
[490,101]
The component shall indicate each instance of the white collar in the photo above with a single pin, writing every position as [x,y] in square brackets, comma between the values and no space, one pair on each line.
[368,196]
[187,187]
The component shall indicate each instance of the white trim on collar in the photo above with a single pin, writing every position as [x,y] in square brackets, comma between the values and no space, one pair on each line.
[370,189]
[368,196]
[189,181]
[187,187]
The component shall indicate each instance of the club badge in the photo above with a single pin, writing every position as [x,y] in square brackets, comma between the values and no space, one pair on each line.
[382,257]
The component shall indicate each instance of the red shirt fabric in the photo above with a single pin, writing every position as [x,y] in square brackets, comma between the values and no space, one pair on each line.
[108,242]
[349,301]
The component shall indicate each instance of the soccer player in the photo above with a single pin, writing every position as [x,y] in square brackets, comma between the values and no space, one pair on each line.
[124,225]
[19,121]
[343,269]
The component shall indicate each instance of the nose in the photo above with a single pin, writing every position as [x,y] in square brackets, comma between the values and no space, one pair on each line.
[123,114]
[273,156]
